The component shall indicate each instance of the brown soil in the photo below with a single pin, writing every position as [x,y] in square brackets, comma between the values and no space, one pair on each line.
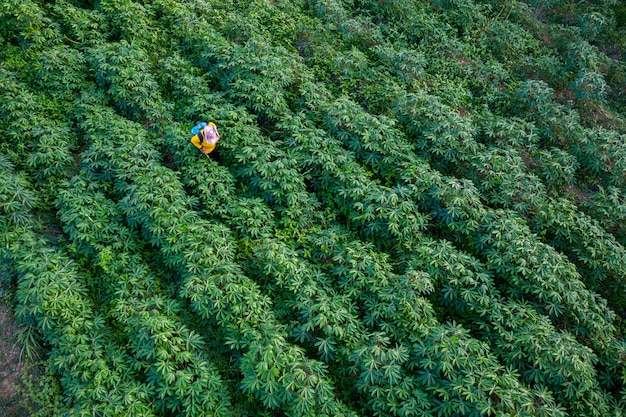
[11,369]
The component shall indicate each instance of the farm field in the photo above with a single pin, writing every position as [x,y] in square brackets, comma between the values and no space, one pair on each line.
[416,208]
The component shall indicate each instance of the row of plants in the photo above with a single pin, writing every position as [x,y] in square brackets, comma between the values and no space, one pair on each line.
[205,177]
[172,357]
[464,152]
[266,70]
[371,239]
[97,375]
[202,252]
[202,178]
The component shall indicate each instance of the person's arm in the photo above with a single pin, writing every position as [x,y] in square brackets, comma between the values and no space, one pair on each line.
[197,141]
[208,148]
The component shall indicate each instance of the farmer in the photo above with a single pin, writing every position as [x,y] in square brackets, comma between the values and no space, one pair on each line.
[205,137]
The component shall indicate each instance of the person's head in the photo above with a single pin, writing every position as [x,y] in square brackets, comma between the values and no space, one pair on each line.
[210,134]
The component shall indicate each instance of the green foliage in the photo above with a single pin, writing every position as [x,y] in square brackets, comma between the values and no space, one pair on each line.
[44,393]
[50,294]
[417,208]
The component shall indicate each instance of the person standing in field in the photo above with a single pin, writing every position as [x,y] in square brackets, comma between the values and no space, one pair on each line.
[205,137]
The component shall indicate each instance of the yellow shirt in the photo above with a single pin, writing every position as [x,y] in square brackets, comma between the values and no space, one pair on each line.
[199,143]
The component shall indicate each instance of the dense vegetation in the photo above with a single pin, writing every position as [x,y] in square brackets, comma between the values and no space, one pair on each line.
[418,209]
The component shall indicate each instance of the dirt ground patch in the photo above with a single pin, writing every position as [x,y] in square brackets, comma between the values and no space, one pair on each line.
[11,369]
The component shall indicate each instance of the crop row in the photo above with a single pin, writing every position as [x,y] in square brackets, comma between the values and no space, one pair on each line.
[266,145]
[459,156]
[331,177]
[202,252]
[447,136]
[172,356]
[95,373]
[212,203]
[385,303]
[373,157]
[265,70]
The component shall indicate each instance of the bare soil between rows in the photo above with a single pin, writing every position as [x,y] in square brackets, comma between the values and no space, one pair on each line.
[12,402]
